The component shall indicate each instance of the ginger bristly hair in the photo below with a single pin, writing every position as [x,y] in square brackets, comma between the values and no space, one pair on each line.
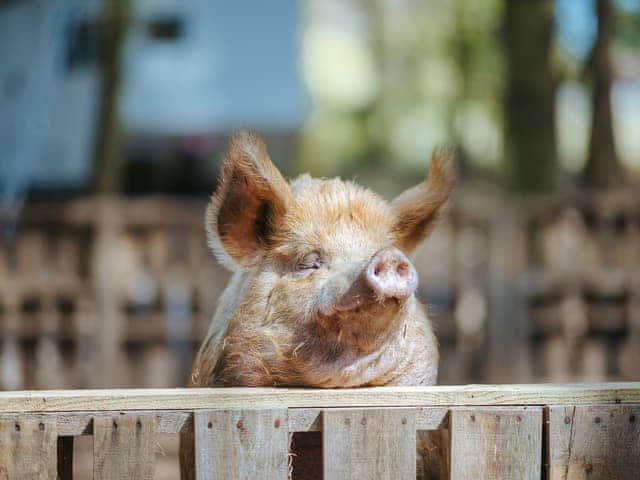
[252,198]
[418,209]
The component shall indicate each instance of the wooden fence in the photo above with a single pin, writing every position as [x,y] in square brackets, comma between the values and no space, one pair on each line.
[126,283]
[544,294]
[496,432]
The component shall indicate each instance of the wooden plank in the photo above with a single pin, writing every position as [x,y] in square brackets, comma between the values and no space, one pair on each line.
[241,444]
[595,442]
[107,265]
[305,419]
[432,418]
[65,458]
[28,448]
[370,443]
[81,423]
[234,398]
[123,447]
[310,419]
[496,443]
[177,421]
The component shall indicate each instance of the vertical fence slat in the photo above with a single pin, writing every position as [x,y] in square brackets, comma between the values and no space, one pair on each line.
[241,444]
[496,443]
[123,447]
[369,443]
[595,442]
[65,458]
[28,448]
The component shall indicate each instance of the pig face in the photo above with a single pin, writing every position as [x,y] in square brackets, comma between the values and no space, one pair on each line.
[319,259]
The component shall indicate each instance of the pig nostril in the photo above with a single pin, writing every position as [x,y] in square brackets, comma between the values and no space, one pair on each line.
[402,270]
[378,269]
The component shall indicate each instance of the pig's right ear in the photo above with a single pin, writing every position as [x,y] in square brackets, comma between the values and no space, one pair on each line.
[248,205]
[418,210]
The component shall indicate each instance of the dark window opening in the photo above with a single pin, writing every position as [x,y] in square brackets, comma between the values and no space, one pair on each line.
[166,28]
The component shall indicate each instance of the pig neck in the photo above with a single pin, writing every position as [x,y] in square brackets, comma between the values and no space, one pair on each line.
[362,333]
[357,352]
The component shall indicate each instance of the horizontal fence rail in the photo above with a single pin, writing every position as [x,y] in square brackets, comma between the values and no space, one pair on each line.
[194,398]
[492,431]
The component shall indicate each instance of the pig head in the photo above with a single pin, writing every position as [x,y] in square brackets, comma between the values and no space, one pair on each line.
[323,291]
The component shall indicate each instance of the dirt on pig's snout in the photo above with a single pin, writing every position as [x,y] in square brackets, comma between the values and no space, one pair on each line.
[323,291]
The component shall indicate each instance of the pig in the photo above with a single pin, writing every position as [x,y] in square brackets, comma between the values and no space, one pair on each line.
[322,292]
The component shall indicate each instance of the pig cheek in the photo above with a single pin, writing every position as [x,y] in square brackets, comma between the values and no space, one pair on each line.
[323,292]
[294,299]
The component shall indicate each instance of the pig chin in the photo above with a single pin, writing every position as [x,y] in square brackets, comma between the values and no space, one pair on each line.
[360,324]
[362,304]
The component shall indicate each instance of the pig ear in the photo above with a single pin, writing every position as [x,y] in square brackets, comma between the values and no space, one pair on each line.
[418,209]
[249,202]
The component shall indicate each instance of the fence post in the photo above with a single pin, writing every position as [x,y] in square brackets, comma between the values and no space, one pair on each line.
[241,444]
[594,442]
[496,443]
[369,443]
[28,447]
[123,447]
[506,329]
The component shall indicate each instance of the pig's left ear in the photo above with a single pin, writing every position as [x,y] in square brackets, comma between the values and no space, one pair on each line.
[249,202]
[418,209]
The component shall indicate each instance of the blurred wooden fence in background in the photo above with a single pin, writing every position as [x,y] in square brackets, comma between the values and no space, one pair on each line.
[118,292]
[105,292]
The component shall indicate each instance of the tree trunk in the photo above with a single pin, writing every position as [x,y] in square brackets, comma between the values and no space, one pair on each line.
[108,157]
[530,144]
[603,169]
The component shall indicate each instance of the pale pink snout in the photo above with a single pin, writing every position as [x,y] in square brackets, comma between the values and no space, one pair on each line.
[390,274]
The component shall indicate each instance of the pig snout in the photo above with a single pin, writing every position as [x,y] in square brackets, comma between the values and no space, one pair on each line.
[390,274]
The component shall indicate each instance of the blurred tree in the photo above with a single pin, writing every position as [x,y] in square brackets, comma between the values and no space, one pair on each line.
[530,142]
[477,84]
[603,169]
[108,157]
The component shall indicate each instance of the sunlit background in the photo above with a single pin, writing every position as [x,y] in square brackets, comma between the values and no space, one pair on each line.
[114,116]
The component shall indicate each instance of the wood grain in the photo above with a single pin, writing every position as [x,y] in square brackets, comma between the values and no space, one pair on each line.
[28,448]
[123,447]
[81,423]
[369,443]
[233,398]
[310,419]
[496,443]
[241,444]
[594,442]
[181,421]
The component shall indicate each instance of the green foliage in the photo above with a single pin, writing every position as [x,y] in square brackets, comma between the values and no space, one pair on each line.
[391,80]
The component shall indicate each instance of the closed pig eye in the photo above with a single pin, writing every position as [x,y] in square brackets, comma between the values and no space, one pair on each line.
[310,262]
